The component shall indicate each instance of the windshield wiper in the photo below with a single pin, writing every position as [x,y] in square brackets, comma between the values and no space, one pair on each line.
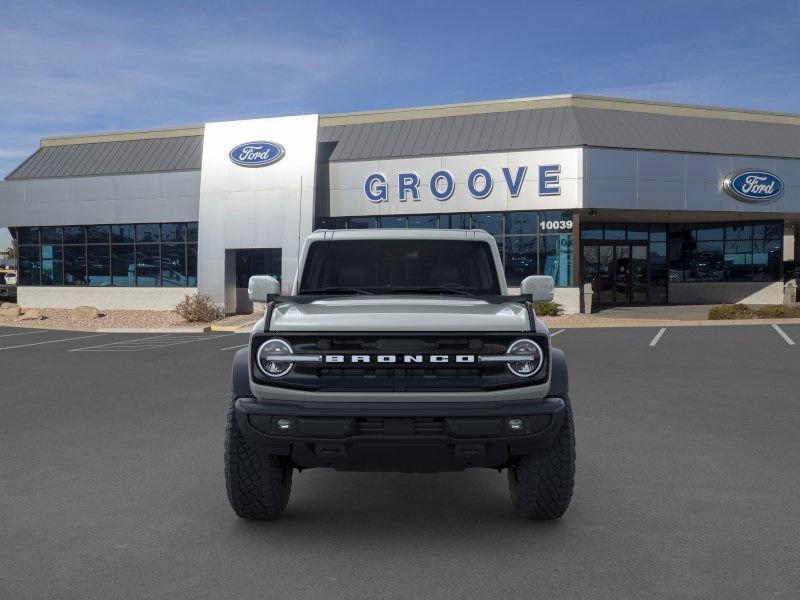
[441,289]
[336,290]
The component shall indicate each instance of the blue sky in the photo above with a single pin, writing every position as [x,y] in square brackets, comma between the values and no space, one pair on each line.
[74,67]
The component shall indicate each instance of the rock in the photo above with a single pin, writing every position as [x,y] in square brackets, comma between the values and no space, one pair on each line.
[84,313]
[12,311]
[8,304]
[31,315]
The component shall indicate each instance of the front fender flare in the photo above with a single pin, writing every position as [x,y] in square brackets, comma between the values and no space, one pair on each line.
[559,380]
[240,374]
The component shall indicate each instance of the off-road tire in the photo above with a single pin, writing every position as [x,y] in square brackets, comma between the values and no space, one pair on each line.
[541,483]
[258,486]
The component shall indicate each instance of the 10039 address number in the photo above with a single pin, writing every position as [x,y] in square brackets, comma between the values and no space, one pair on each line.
[556,225]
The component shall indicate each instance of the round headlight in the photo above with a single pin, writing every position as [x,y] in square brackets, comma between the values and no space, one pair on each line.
[529,358]
[266,361]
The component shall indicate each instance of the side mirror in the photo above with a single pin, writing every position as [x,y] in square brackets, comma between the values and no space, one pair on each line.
[260,288]
[540,287]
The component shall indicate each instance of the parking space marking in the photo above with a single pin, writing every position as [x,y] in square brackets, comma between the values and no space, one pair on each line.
[83,337]
[234,347]
[24,333]
[555,333]
[783,334]
[148,343]
[151,337]
[655,340]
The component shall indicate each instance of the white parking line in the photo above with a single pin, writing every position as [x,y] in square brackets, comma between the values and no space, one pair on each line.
[153,343]
[234,347]
[83,337]
[658,337]
[782,333]
[123,342]
[555,333]
[25,333]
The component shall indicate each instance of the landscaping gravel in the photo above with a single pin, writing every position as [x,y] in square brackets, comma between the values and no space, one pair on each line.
[55,318]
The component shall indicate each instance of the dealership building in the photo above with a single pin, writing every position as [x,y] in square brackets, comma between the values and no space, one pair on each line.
[650,203]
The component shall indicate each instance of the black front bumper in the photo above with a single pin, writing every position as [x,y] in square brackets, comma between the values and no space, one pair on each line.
[411,437]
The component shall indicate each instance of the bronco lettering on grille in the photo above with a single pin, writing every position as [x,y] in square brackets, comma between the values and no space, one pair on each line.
[399,358]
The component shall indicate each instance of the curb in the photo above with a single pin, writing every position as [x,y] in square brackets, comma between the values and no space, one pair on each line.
[154,330]
[37,325]
[228,328]
[666,323]
[240,325]
[232,328]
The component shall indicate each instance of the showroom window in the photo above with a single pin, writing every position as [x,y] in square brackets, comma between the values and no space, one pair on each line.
[131,255]
[530,242]
[747,251]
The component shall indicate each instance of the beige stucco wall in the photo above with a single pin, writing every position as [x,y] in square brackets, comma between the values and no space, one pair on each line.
[108,298]
[569,298]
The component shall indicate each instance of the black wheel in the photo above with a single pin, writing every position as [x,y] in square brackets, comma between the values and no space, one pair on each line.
[541,482]
[258,487]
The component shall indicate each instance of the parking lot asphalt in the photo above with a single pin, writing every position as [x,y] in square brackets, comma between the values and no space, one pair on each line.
[688,481]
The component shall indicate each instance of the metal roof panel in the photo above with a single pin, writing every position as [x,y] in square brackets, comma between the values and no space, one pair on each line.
[565,125]
[182,153]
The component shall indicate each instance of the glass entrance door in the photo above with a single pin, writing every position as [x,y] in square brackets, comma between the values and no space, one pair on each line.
[254,261]
[639,284]
[622,274]
[618,272]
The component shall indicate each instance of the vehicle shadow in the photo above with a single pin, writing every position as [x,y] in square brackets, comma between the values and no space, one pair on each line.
[440,506]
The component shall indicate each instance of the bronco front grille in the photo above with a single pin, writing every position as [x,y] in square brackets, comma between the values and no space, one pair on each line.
[346,374]
[415,372]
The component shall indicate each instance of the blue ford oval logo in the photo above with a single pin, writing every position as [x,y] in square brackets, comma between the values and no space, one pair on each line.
[753,186]
[257,154]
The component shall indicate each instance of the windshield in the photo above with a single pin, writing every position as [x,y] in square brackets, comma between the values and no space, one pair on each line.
[400,266]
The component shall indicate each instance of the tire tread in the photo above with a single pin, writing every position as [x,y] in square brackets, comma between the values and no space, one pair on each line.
[258,487]
[541,484]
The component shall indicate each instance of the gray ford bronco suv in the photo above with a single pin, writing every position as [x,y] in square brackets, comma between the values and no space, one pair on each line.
[400,350]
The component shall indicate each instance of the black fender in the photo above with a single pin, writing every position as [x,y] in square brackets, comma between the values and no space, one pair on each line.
[240,374]
[559,378]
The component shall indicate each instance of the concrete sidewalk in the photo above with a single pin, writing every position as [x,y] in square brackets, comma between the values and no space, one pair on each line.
[238,323]
[695,312]
[654,316]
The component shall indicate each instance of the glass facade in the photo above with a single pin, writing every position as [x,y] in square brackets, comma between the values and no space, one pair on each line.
[625,263]
[143,255]
[530,242]
[630,263]
[726,251]
[260,261]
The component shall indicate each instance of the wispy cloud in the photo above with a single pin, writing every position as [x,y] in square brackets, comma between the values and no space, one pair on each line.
[749,63]
[68,67]
[75,67]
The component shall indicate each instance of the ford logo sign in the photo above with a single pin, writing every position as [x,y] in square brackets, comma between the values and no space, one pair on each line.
[257,154]
[753,186]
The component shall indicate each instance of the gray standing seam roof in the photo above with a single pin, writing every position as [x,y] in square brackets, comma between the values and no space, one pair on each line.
[487,132]
[525,129]
[183,153]
[561,127]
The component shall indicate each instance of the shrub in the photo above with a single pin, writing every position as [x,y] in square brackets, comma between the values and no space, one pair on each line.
[778,311]
[198,308]
[731,311]
[746,311]
[548,309]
